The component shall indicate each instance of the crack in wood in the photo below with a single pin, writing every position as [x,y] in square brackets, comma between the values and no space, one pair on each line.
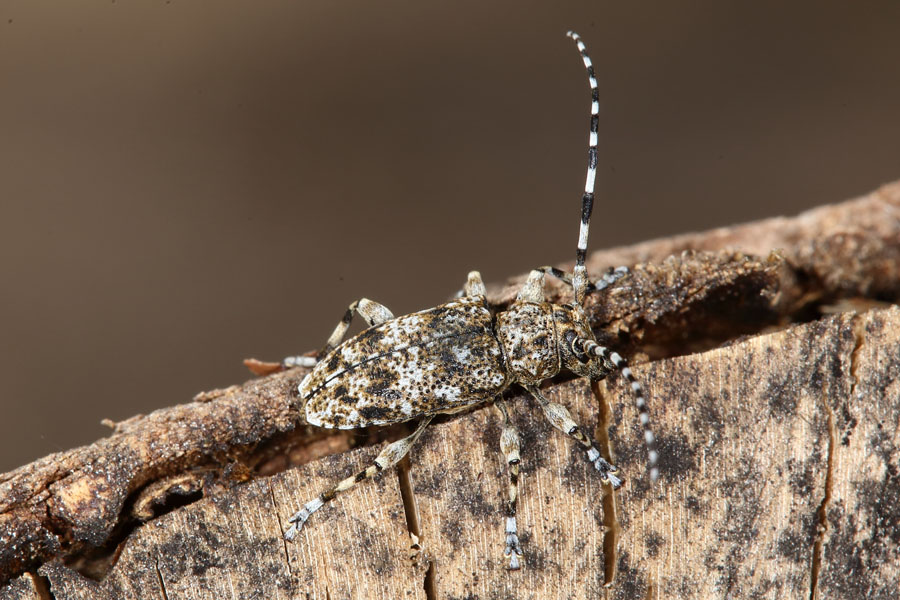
[410,508]
[411,511]
[42,586]
[858,328]
[159,578]
[429,583]
[822,512]
[287,556]
[610,515]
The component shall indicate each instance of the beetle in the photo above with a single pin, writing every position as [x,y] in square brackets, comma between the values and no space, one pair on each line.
[462,353]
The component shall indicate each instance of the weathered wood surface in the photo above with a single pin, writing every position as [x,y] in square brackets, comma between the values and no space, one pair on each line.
[780,464]
[776,431]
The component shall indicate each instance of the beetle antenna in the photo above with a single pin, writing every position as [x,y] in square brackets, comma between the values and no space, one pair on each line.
[579,278]
[594,349]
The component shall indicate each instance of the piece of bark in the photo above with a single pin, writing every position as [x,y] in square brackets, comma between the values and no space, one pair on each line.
[67,504]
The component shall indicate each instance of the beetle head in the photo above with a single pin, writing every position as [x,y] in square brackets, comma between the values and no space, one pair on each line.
[578,349]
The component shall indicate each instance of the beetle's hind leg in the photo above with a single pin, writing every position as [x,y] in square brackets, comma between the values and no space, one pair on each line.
[559,417]
[390,456]
[509,446]
[611,276]
[373,313]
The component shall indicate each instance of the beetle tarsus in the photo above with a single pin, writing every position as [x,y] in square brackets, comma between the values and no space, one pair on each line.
[513,551]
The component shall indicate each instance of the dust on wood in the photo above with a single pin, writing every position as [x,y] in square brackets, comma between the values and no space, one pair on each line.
[779,464]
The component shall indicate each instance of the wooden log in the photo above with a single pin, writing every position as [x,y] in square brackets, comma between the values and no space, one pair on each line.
[779,465]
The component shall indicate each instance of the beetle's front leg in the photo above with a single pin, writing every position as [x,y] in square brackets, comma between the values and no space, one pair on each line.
[607,279]
[560,418]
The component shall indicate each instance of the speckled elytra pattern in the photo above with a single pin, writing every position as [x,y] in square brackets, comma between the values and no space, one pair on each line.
[418,364]
[462,353]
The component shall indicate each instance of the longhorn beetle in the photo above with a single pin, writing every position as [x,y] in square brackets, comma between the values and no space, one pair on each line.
[446,359]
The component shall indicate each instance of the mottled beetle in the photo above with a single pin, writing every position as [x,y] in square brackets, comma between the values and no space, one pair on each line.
[446,359]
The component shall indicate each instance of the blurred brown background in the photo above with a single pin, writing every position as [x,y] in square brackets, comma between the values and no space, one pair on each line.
[185,184]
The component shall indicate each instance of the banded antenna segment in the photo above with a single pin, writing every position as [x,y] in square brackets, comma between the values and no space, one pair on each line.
[579,276]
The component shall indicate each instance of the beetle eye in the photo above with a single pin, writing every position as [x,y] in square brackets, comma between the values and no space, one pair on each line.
[574,343]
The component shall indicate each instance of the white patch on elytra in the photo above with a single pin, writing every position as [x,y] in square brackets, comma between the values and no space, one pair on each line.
[462,353]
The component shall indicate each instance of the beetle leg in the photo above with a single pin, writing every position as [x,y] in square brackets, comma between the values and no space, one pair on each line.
[390,456]
[560,418]
[606,280]
[373,313]
[474,285]
[533,290]
[509,446]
